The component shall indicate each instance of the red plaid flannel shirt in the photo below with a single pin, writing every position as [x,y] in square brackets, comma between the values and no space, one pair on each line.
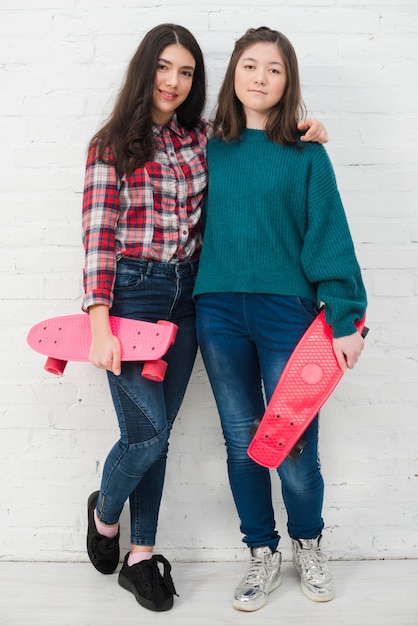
[153,214]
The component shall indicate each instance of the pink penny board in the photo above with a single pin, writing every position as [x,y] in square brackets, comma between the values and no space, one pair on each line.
[68,338]
[310,376]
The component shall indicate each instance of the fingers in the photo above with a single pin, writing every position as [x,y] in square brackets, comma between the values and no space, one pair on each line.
[348,350]
[116,365]
[113,364]
[340,356]
[351,360]
[315,130]
[106,355]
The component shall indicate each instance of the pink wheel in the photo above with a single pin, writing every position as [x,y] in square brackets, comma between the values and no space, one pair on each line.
[154,370]
[55,366]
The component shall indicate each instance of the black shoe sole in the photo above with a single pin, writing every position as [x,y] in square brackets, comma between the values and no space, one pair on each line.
[147,604]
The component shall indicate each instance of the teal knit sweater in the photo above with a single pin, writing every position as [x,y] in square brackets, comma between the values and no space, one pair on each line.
[274,223]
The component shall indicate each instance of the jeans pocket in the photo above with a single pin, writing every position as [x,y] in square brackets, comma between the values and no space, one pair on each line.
[308,306]
[128,278]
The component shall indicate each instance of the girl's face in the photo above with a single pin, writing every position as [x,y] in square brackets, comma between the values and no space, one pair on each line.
[260,81]
[172,83]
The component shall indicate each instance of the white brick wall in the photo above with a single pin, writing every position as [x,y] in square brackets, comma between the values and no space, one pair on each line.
[61,63]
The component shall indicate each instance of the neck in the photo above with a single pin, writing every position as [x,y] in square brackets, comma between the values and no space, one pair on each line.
[161,119]
[255,121]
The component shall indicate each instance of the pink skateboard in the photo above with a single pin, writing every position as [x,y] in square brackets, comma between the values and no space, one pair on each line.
[68,338]
[310,376]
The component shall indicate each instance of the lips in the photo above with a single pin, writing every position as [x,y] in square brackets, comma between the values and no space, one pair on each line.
[168,95]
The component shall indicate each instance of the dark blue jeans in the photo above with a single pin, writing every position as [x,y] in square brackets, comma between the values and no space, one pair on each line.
[246,340]
[135,466]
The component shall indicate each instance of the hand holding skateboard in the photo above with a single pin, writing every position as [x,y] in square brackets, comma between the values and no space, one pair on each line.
[68,338]
[310,376]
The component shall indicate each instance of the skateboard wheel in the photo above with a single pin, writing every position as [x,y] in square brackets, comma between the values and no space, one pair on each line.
[154,370]
[55,366]
[297,449]
[254,426]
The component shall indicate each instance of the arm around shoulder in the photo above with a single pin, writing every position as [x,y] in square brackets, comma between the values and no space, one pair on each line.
[313,130]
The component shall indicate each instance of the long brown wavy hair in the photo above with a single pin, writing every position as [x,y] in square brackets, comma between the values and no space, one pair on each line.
[128,131]
[281,124]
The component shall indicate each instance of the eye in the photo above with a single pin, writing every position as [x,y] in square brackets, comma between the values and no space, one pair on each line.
[187,73]
[161,66]
[249,66]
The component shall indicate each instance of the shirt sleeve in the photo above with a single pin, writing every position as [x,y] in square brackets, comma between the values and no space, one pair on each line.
[328,254]
[100,213]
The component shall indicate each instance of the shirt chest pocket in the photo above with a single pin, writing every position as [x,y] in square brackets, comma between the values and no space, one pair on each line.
[165,192]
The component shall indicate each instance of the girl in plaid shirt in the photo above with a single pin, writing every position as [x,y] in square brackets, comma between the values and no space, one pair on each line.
[144,184]
[145,180]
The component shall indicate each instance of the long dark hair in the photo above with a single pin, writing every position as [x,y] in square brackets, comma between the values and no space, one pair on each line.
[281,123]
[127,137]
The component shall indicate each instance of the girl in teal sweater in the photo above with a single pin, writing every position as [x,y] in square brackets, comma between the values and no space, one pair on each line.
[276,246]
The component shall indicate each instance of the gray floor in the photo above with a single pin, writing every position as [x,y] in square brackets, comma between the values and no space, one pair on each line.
[381,593]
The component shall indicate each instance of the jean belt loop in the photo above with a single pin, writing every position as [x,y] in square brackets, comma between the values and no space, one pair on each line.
[149,268]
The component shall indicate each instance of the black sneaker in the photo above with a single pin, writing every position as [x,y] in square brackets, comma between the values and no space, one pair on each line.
[144,580]
[103,552]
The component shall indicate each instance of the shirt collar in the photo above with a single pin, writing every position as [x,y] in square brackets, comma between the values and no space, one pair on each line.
[173,125]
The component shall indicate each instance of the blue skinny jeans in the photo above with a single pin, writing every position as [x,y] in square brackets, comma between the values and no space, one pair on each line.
[135,466]
[246,340]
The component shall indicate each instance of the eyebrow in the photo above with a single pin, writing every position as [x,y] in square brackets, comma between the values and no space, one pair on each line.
[184,67]
[269,63]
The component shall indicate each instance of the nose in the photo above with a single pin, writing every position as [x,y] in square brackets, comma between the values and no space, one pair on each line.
[171,78]
[260,78]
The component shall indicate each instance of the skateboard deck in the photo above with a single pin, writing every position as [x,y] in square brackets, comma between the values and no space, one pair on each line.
[68,338]
[307,381]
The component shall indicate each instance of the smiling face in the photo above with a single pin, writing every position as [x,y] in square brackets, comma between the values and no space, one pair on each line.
[172,83]
[260,81]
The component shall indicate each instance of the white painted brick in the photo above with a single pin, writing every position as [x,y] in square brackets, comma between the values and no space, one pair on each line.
[61,65]
[20,24]
[394,284]
[382,232]
[42,50]
[394,257]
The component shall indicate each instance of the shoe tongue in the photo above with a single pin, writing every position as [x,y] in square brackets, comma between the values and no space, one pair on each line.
[258,553]
[309,544]
[107,545]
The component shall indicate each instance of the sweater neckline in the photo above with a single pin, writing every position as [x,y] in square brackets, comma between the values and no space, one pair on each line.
[254,131]
[253,134]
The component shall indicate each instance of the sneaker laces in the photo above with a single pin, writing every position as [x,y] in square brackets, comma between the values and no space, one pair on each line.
[166,577]
[254,574]
[161,584]
[105,546]
[312,561]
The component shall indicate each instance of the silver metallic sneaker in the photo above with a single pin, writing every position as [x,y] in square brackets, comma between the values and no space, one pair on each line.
[263,576]
[312,566]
